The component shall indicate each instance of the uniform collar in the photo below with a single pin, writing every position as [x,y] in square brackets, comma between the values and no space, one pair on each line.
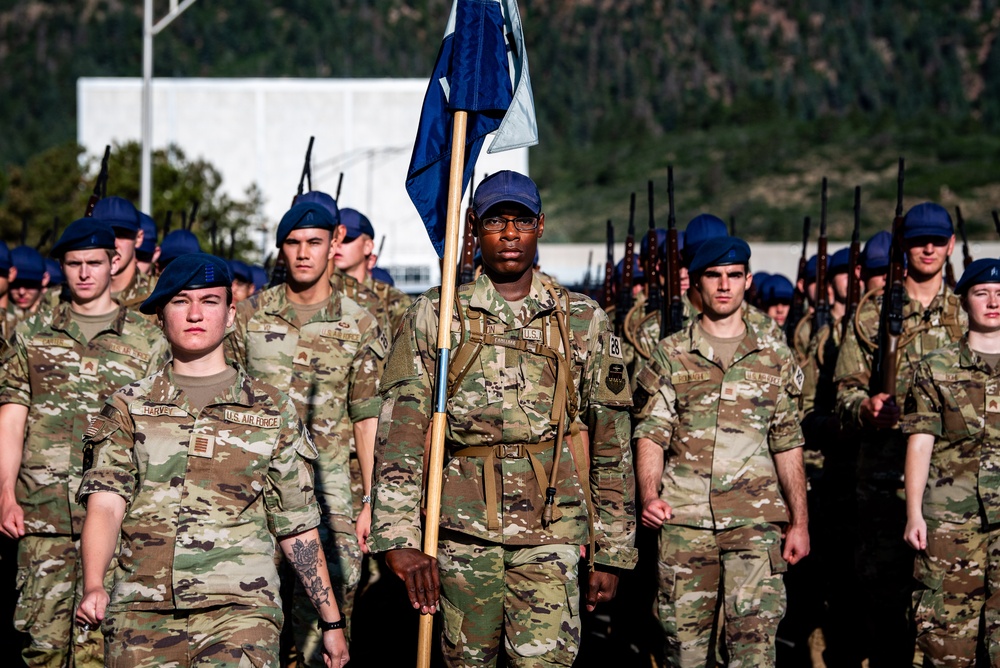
[485,297]
[62,319]
[698,343]
[165,391]
[276,303]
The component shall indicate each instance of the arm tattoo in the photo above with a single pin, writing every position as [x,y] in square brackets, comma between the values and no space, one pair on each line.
[305,559]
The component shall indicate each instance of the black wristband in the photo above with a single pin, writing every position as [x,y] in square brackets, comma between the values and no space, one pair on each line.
[330,626]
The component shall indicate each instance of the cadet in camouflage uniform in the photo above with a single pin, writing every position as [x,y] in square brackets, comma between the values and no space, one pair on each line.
[201,471]
[7,273]
[505,577]
[61,366]
[326,351]
[952,484]
[932,319]
[129,285]
[719,465]
[27,288]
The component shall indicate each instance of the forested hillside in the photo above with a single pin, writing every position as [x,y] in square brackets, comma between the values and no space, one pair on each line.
[766,87]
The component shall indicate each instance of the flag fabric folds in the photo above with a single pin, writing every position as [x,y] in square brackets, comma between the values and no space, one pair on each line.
[481,68]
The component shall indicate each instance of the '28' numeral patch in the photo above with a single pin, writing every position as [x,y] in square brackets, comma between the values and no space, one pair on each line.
[616,347]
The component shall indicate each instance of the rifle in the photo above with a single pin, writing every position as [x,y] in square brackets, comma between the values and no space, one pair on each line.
[853,280]
[673,316]
[588,278]
[890,325]
[213,233]
[194,215]
[467,263]
[609,268]
[966,256]
[306,170]
[101,185]
[166,223]
[799,297]
[381,245]
[732,225]
[623,303]
[821,316]
[340,182]
[652,260]
[51,233]
[996,221]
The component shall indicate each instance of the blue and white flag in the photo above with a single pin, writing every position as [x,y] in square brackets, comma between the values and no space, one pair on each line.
[482,68]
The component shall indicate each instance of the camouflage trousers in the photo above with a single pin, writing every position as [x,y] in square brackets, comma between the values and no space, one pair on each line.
[50,584]
[240,636]
[885,575]
[343,559]
[742,565]
[958,608]
[528,597]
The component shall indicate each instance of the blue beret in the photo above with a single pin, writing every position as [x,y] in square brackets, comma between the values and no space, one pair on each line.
[176,244]
[984,270]
[305,215]
[811,264]
[664,239]
[702,227]
[720,252]
[192,271]
[380,274]
[84,234]
[775,288]
[661,241]
[240,271]
[29,263]
[927,220]
[840,261]
[758,279]
[149,233]
[259,274]
[55,272]
[637,272]
[506,186]
[4,258]
[876,251]
[321,198]
[117,212]
[355,223]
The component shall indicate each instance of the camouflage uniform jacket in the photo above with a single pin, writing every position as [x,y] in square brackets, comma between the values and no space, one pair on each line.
[207,491]
[394,300]
[330,366]
[883,452]
[138,289]
[719,429]
[64,381]
[956,398]
[366,296]
[505,399]
[818,400]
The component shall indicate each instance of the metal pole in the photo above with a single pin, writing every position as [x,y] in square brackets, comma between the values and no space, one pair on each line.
[146,184]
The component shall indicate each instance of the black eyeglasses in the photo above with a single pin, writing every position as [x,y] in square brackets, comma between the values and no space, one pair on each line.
[499,224]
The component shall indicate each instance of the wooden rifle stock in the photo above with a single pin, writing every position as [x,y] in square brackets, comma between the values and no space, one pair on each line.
[609,268]
[623,303]
[853,280]
[893,300]
[821,316]
[100,185]
[673,316]
[652,260]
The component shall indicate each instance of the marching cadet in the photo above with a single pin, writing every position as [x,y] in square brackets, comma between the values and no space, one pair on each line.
[201,471]
[775,294]
[719,466]
[8,272]
[147,252]
[62,364]
[326,352]
[353,257]
[129,285]
[952,486]
[175,245]
[932,319]
[530,363]
[27,286]
[874,264]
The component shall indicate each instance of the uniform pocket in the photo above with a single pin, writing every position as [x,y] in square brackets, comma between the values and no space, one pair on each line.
[453,620]
[26,612]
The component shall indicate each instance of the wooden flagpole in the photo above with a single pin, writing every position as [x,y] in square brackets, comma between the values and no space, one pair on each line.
[435,464]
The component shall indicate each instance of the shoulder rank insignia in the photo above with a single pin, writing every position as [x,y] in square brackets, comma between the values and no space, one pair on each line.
[616,378]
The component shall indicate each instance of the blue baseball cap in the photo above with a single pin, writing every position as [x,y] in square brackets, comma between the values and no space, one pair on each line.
[302,216]
[241,271]
[983,270]
[840,261]
[149,233]
[927,220]
[355,223]
[506,186]
[321,198]
[176,244]
[117,212]
[702,227]
[192,271]
[381,275]
[720,252]
[875,255]
[775,288]
[29,263]
[83,234]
